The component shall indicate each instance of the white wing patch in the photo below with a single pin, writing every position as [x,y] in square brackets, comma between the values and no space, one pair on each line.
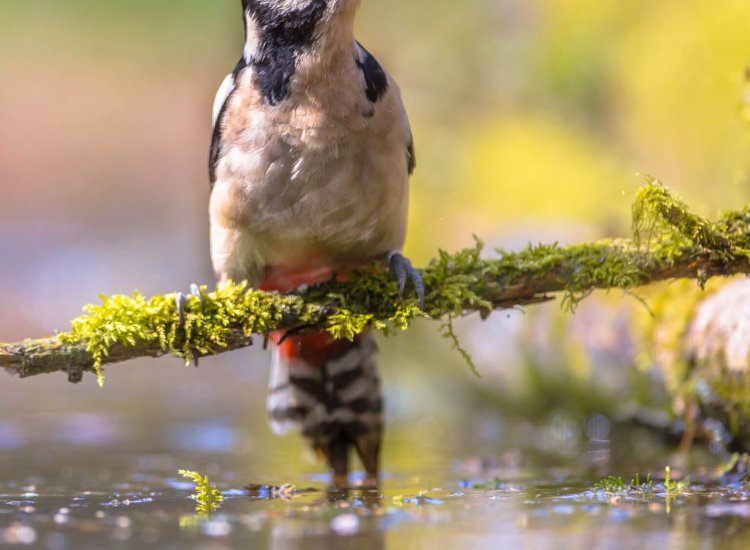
[361,55]
[252,40]
[226,88]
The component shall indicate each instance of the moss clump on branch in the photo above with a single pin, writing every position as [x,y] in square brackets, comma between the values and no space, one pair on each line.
[665,226]
[679,244]
[576,270]
[131,320]
[211,323]
[658,212]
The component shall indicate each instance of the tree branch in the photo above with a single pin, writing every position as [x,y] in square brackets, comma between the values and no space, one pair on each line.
[669,242]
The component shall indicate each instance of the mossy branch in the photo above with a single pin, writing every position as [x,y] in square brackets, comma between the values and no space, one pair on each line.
[669,242]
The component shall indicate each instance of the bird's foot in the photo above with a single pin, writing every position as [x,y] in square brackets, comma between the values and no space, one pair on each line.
[402,268]
[181,302]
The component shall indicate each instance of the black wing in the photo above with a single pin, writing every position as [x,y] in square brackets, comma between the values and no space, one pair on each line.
[376,81]
[376,85]
[214,153]
[412,156]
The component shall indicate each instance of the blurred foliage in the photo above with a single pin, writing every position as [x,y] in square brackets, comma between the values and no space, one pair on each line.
[522,110]
[691,335]
[661,333]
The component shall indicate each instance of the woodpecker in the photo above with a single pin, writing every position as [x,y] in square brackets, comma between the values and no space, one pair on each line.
[309,165]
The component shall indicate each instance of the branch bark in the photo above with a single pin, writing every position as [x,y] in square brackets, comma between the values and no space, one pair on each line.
[456,284]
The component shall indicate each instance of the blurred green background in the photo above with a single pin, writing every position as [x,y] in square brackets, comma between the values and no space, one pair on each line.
[531,120]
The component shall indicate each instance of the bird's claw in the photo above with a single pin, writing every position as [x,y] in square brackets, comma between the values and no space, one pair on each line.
[402,268]
[181,301]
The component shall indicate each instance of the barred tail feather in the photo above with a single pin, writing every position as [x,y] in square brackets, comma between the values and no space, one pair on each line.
[325,388]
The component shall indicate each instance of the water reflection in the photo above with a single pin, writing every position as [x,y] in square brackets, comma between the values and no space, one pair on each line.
[342,518]
[11,436]
[215,436]
[72,478]
[443,512]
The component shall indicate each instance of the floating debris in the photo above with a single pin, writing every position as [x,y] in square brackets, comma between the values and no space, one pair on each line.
[270,492]
[128,501]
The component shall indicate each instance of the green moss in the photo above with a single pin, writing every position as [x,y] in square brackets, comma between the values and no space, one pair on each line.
[581,269]
[611,484]
[454,283]
[674,488]
[635,489]
[135,320]
[616,485]
[448,331]
[668,229]
[659,212]
[207,497]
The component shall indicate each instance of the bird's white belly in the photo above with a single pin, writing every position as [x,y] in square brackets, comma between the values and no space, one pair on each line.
[290,204]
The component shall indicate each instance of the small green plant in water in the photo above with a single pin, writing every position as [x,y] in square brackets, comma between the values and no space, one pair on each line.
[617,485]
[493,485]
[611,484]
[647,487]
[673,489]
[207,497]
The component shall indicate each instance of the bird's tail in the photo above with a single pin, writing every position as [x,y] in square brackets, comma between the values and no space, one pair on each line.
[330,390]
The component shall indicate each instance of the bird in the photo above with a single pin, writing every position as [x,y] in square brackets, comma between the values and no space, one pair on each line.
[310,161]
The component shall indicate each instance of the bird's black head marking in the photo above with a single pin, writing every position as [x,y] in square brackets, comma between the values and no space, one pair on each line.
[283,29]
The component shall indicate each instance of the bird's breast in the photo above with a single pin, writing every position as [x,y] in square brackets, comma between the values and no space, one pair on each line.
[311,181]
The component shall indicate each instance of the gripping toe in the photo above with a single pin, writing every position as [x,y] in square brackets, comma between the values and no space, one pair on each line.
[181,301]
[402,268]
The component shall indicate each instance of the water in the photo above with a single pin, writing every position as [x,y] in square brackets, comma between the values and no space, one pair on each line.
[83,506]
[83,468]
